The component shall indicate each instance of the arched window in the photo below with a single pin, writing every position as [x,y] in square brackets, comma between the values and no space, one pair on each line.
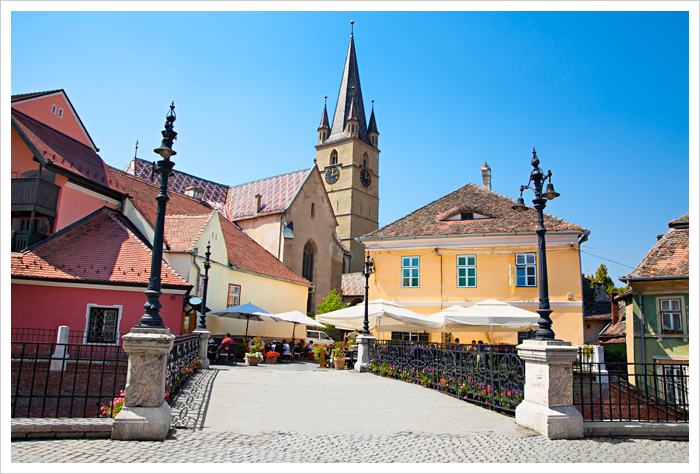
[307,271]
[364,160]
[334,157]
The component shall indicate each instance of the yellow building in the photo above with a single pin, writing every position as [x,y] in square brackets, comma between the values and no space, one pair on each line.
[470,246]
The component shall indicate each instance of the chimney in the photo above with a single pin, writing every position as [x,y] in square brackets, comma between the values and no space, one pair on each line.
[659,237]
[258,197]
[486,176]
[194,192]
[615,310]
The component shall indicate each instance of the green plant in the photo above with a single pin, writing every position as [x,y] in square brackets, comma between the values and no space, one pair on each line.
[113,408]
[318,349]
[338,349]
[332,302]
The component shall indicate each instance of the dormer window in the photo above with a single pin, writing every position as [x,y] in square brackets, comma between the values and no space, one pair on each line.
[467,216]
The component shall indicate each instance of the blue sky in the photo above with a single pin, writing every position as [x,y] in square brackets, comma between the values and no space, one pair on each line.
[603,96]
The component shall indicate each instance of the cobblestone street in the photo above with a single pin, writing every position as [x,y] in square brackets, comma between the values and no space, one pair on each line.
[216,422]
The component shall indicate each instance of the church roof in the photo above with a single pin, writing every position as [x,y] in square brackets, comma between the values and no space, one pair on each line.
[103,247]
[349,89]
[324,119]
[372,127]
[277,193]
[435,219]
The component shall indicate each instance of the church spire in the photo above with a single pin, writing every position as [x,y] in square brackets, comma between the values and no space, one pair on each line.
[349,102]
[372,129]
[323,129]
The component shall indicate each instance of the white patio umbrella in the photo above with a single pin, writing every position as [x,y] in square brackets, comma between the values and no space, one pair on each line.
[246,311]
[297,317]
[488,315]
[384,316]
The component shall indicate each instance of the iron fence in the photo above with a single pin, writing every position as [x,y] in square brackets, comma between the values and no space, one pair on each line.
[51,380]
[74,337]
[181,362]
[489,375]
[622,391]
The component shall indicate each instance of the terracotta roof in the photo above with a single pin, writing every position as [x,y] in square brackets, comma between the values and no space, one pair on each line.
[183,231]
[681,221]
[214,193]
[63,151]
[245,254]
[598,317]
[353,284]
[103,247]
[615,340]
[33,94]
[668,258]
[277,194]
[614,330]
[143,196]
[430,220]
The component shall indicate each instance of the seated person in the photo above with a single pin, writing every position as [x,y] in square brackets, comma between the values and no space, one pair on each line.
[224,345]
[287,354]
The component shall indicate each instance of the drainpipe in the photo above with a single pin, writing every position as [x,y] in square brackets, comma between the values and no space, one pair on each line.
[194,262]
[641,318]
[280,237]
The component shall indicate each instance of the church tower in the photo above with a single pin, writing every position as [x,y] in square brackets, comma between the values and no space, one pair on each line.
[347,157]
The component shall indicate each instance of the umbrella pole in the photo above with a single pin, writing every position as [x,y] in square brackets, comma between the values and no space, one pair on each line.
[293,331]
[491,336]
[247,322]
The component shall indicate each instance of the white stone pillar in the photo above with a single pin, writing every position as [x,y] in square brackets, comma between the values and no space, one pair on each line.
[145,415]
[204,335]
[598,360]
[60,350]
[362,364]
[549,391]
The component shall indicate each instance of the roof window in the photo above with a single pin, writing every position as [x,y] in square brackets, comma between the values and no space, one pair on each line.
[467,216]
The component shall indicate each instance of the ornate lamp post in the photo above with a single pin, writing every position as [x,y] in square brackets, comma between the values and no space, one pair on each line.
[537,178]
[164,167]
[203,311]
[368,270]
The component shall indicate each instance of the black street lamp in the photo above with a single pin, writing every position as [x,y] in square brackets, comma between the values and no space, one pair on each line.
[164,167]
[368,270]
[537,178]
[203,311]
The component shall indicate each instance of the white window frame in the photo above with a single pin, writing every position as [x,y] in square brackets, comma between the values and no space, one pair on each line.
[53,109]
[229,295]
[410,267]
[513,270]
[675,378]
[118,307]
[466,268]
[660,311]
[60,113]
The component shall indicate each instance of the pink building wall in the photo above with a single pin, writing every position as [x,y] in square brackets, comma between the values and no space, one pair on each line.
[40,109]
[47,307]
[74,205]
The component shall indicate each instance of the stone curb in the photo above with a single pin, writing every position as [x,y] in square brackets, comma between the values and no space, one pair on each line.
[632,429]
[61,427]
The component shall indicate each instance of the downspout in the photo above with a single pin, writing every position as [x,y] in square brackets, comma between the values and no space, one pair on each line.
[641,318]
[199,270]
[280,237]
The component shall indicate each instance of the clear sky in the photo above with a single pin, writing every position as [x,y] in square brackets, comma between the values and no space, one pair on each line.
[603,96]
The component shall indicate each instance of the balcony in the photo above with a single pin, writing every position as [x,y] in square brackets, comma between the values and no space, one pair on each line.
[34,194]
[22,239]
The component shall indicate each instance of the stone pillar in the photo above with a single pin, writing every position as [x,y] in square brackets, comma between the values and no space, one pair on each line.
[362,364]
[549,391]
[204,335]
[145,415]
[60,351]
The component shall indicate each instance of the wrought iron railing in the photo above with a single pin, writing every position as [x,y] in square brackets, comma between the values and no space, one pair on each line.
[621,391]
[489,375]
[51,380]
[181,362]
[74,337]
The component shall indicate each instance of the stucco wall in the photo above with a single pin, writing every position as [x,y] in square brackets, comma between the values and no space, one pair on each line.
[22,157]
[265,230]
[47,307]
[40,109]
[74,205]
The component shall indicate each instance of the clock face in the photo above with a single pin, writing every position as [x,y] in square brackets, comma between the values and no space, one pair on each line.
[332,175]
[365,178]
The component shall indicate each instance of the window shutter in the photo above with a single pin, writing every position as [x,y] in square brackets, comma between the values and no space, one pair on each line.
[511,275]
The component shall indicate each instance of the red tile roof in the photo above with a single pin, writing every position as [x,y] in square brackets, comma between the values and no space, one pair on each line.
[103,247]
[683,220]
[668,258]
[143,196]
[64,152]
[616,340]
[33,94]
[277,193]
[614,330]
[353,284]
[246,254]
[430,220]
[213,193]
[598,317]
[183,231]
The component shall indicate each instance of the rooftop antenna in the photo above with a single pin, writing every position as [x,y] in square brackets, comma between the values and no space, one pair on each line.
[137,149]
[352,23]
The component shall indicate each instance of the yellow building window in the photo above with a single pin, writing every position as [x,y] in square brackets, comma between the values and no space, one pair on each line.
[466,271]
[234,296]
[410,272]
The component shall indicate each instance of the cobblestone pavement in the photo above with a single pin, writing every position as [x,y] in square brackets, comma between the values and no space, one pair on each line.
[196,446]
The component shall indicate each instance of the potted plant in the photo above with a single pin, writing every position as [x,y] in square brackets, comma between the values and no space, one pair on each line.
[338,353]
[320,355]
[254,353]
[271,357]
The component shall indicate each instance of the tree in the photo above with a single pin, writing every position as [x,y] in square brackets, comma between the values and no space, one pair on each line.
[332,302]
[601,275]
